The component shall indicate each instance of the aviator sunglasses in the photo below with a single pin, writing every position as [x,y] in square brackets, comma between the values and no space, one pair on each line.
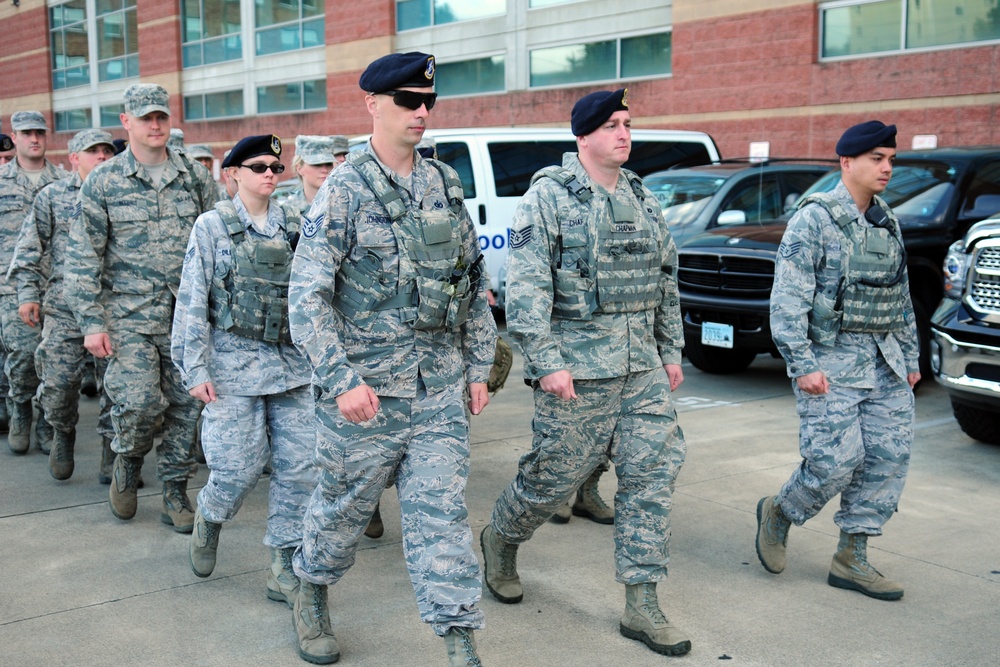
[260,168]
[412,100]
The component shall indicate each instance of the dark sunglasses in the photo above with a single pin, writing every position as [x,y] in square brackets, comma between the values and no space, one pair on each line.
[260,168]
[412,100]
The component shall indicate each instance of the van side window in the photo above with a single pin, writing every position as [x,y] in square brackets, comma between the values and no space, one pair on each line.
[456,154]
[515,162]
[649,156]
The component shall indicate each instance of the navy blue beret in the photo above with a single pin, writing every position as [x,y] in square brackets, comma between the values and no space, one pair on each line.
[866,136]
[593,109]
[399,70]
[248,147]
[6,143]
[120,145]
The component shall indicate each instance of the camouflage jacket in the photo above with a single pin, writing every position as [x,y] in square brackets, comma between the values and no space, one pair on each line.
[16,194]
[127,245]
[235,364]
[811,243]
[346,223]
[608,344]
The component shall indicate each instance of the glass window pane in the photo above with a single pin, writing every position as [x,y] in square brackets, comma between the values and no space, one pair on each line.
[131,33]
[191,21]
[276,40]
[75,119]
[314,94]
[111,115]
[483,75]
[449,11]
[312,33]
[858,29]
[194,108]
[271,12]
[646,56]
[456,154]
[573,64]
[222,17]
[953,22]
[412,14]
[283,97]
[312,8]
[105,6]
[546,3]
[111,41]
[192,55]
[225,104]
[515,162]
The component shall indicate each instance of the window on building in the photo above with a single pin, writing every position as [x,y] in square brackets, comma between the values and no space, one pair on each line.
[70,51]
[73,120]
[117,40]
[111,115]
[860,28]
[647,55]
[210,31]
[210,106]
[287,97]
[468,77]
[412,14]
[286,25]
[534,4]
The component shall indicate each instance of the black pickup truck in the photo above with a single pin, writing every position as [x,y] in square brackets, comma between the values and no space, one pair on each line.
[725,276]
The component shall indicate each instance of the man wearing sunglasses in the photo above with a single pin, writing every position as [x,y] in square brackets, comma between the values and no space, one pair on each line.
[123,270]
[387,298]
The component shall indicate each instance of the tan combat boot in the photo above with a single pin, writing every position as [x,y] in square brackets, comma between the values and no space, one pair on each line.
[311,619]
[124,483]
[562,514]
[589,503]
[108,464]
[772,534]
[461,645]
[204,545]
[19,435]
[500,567]
[850,569]
[177,509]
[61,454]
[644,621]
[375,527]
[43,433]
[282,584]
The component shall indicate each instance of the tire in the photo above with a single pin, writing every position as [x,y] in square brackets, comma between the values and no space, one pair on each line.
[978,423]
[717,360]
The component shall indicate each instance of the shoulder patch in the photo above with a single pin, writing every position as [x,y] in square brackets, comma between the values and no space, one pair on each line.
[311,225]
[521,237]
[789,250]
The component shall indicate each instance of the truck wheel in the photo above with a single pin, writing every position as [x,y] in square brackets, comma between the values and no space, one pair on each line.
[717,360]
[978,423]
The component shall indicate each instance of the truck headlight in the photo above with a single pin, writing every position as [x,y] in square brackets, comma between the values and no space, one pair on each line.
[956,268]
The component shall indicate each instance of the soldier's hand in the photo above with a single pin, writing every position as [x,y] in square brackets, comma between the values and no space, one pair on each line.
[813,383]
[98,344]
[559,383]
[674,374]
[913,379]
[205,392]
[359,404]
[479,397]
[30,313]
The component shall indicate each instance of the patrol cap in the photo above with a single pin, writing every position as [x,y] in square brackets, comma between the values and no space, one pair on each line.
[593,109]
[84,139]
[28,120]
[340,144]
[199,152]
[145,98]
[120,145]
[866,136]
[250,147]
[399,70]
[176,139]
[6,143]
[314,149]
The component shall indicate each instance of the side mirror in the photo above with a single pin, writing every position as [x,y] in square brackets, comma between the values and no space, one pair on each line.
[732,218]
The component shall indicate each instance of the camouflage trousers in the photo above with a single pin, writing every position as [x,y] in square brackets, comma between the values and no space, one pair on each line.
[61,360]
[20,341]
[239,434]
[425,441]
[143,385]
[855,442]
[630,419]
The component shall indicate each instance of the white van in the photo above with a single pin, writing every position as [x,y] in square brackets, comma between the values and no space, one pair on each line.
[496,166]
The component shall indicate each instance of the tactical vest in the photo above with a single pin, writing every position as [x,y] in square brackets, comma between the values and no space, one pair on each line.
[872,298]
[436,282]
[251,299]
[624,277]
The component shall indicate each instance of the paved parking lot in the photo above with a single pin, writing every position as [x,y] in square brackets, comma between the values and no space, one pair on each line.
[79,587]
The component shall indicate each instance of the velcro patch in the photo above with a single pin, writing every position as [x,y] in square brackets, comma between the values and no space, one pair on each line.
[521,237]
[789,250]
[311,225]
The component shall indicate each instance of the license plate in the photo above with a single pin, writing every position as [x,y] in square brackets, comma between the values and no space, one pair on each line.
[717,335]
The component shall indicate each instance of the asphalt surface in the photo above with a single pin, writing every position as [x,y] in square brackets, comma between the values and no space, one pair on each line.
[79,587]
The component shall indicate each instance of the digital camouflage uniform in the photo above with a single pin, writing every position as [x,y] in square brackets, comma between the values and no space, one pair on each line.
[420,431]
[123,269]
[38,270]
[856,439]
[623,409]
[264,407]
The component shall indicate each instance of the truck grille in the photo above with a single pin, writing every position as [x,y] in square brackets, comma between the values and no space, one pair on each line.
[984,288]
[717,273]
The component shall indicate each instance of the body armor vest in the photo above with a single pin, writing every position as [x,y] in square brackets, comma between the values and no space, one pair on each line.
[624,275]
[252,298]
[872,298]
[436,282]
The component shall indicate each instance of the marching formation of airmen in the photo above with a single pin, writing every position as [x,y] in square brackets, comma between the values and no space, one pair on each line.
[343,338]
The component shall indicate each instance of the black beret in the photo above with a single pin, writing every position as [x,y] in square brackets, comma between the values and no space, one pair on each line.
[6,143]
[120,145]
[866,136]
[399,70]
[248,147]
[593,109]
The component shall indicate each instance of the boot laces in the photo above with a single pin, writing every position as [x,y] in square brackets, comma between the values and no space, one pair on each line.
[467,650]
[131,474]
[651,606]
[286,559]
[319,607]
[594,497]
[176,494]
[777,527]
[507,554]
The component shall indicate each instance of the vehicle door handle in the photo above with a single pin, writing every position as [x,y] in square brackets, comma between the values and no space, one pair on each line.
[482,214]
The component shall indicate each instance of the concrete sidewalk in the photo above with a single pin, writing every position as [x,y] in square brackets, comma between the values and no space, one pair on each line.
[80,587]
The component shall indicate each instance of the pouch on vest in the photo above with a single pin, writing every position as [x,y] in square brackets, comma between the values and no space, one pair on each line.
[824,319]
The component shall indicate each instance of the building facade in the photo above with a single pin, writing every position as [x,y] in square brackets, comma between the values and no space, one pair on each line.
[787,72]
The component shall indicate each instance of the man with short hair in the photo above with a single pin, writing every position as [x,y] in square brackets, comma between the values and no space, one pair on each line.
[842,318]
[20,181]
[123,271]
[593,304]
[38,270]
[341,147]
